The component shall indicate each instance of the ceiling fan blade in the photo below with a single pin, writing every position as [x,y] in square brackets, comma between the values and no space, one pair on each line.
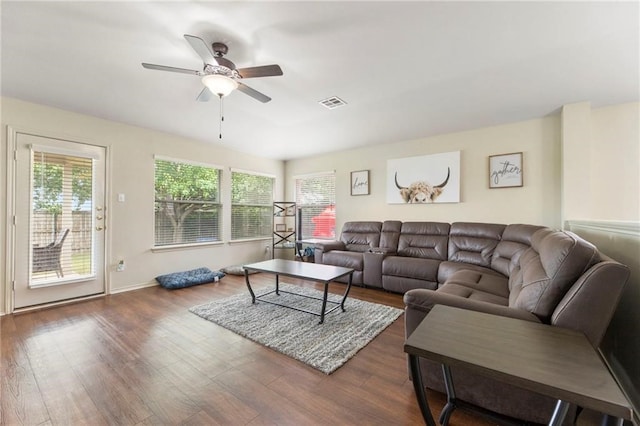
[172,69]
[205,95]
[263,71]
[201,49]
[253,93]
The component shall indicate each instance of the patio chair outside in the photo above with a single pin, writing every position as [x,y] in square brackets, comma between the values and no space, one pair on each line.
[47,258]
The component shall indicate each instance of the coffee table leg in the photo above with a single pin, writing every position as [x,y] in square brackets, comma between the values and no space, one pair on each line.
[418,387]
[278,284]
[346,293]
[324,301]
[246,279]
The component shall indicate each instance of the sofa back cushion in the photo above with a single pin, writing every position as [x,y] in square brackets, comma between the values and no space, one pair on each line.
[515,240]
[426,240]
[390,235]
[546,271]
[361,236]
[474,242]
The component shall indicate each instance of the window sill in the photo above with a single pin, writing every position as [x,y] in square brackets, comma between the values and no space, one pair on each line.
[250,240]
[185,246]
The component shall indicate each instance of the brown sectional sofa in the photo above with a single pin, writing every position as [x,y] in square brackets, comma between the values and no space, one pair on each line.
[522,271]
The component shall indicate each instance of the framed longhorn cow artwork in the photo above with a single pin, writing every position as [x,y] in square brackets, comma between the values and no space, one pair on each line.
[424,179]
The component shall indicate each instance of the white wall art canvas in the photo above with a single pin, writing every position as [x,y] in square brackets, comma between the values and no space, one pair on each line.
[424,179]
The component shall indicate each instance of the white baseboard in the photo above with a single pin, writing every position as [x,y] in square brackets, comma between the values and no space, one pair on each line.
[134,287]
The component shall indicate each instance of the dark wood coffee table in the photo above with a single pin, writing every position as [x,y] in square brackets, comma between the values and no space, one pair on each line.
[550,360]
[303,270]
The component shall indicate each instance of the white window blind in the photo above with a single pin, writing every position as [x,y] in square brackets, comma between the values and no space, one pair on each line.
[61,217]
[251,205]
[187,203]
[316,198]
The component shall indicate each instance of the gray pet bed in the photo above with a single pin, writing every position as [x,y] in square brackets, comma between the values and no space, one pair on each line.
[189,278]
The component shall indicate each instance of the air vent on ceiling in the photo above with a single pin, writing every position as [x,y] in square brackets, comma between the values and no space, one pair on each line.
[332,102]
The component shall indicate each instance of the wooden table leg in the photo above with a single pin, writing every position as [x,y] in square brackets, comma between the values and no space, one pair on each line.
[418,387]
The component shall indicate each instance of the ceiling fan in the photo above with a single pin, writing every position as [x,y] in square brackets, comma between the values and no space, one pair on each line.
[219,75]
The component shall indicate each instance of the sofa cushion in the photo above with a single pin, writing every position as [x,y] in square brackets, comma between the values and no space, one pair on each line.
[546,271]
[515,240]
[411,267]
[447,269]
[466,292]
[403,284]
[389,235]
[360,236]
[489,283]
[474,243]
[424,239]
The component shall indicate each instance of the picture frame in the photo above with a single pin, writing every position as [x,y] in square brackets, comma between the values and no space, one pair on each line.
[424,179]
[360,182]
[281,227]
[505,170]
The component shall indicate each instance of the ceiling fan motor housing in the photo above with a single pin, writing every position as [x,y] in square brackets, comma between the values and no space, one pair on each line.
[219,49]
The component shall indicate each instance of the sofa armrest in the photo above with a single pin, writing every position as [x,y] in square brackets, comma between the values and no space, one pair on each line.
[330,245]
[418,304]
[324,247]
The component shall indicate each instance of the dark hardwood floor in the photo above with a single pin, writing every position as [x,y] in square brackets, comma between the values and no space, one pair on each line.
[140,358]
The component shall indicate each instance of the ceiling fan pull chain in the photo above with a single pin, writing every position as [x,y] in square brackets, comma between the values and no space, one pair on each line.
[221,115]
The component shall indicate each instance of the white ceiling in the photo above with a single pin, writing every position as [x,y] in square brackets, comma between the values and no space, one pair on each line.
[406,69]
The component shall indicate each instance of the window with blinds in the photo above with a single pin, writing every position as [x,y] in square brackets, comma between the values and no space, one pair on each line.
[187,203]
[61,217]
[251,205]
[316,198]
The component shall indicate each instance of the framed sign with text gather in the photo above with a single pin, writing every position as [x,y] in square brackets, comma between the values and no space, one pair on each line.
[505,170]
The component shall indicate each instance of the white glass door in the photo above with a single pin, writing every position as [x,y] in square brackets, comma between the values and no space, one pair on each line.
[60,220]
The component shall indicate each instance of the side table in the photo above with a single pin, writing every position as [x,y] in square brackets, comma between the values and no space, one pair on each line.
[550,360]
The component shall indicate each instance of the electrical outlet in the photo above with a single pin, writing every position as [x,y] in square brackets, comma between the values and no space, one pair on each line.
[120,265]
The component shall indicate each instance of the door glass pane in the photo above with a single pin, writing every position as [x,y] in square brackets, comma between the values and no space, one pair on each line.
[61,225]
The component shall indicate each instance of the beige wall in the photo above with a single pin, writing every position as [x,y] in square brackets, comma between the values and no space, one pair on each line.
[615,164]
[130,233]
[537,202]
[601,154]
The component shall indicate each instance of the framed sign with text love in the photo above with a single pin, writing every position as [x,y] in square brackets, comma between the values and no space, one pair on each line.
[360,182]
[505,170]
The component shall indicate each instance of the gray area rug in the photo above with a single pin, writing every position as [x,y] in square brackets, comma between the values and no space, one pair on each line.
[299,335]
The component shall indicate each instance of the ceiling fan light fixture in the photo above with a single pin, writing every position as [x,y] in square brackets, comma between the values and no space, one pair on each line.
[219,84]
